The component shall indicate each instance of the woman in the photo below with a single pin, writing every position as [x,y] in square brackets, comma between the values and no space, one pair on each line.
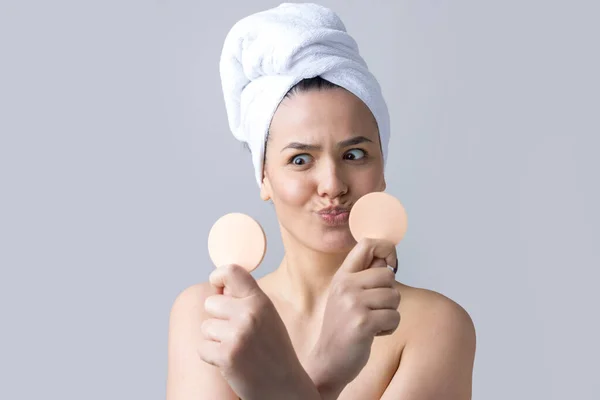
[326,323]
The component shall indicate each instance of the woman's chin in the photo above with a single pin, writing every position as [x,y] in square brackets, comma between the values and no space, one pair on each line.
[336,242]
[325,241]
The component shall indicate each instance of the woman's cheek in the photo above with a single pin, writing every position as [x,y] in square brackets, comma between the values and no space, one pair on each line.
[294,192]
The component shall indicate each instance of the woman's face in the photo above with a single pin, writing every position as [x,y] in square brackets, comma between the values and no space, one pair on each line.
[323,151]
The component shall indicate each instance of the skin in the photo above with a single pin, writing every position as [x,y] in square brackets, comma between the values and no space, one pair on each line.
[301,182]
[336,160]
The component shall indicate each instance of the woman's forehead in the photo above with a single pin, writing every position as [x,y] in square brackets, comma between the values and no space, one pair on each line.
[315,116]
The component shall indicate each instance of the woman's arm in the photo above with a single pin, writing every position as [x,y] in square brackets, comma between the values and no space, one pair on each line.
[438,358]
[189,377]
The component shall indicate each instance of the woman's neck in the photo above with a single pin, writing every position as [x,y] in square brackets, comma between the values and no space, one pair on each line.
[304,276]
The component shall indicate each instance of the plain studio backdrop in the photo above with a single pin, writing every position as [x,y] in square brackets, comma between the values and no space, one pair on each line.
[116,159]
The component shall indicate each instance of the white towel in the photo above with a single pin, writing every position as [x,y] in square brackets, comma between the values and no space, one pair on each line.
[267,53]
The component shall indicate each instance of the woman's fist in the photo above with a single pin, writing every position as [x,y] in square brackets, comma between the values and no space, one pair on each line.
[362,303]
[246,338]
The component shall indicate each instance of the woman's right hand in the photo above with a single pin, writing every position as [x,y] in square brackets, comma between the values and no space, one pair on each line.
[362,303]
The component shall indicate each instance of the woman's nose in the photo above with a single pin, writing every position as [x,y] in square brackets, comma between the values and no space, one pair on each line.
[331,180]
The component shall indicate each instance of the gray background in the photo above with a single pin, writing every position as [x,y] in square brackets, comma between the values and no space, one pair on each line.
[113,129]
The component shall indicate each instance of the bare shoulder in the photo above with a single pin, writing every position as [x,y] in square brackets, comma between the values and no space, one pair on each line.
[188,376]
[424,309]
[187,311]
[438,348]
[192,296]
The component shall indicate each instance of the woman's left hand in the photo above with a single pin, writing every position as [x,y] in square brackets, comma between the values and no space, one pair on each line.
[247,340]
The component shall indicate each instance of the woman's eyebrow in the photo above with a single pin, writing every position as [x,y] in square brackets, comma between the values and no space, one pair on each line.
[354,141]
[345,143]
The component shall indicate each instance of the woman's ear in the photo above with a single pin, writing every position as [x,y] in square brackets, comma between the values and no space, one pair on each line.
[263,193]
[265,189]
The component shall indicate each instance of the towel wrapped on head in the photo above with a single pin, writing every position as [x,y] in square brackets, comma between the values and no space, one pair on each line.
[267,53]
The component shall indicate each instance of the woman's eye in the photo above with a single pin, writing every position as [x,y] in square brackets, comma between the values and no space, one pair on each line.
[355,154]
[300,159]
